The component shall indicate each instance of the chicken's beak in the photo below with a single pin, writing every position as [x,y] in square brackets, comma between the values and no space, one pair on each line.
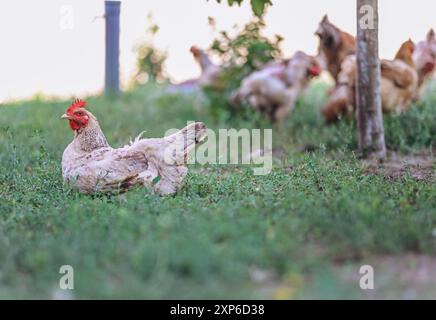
[64,116]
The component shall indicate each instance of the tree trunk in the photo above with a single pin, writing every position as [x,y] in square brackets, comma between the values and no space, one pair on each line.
[369,109]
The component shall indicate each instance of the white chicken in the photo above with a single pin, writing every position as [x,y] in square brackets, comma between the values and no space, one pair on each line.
[424,58]
[275,88]
[90,164]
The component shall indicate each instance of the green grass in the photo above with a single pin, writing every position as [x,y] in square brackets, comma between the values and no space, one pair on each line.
[312,213]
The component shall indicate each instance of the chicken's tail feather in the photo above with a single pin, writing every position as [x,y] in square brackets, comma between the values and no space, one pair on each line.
[183,141]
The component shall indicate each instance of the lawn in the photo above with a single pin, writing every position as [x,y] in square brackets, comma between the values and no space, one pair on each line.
[302,231]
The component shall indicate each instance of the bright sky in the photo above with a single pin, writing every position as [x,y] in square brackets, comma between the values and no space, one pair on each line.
[39,55]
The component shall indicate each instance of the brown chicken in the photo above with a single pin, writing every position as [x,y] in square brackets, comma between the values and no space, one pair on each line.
[341,99]
[334,46]
[399,85]
[91,165]
[274,90]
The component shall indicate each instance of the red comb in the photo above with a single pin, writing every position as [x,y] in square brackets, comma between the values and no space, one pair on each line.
[314,70]
[78,103]
[429,67]
[195,50]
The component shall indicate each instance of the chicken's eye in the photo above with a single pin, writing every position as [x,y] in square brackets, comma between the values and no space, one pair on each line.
[80,113]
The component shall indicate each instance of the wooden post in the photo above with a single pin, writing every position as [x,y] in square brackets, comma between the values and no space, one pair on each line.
[112,64]
[369,105]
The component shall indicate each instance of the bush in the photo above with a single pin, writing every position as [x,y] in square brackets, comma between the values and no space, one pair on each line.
[241,54]
[415,129]
[150,61]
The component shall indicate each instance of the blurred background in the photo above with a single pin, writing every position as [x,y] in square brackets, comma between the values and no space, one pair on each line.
[303,231]
[56,47]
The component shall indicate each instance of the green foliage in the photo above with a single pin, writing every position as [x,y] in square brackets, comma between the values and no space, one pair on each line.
[314,211]
[415,128]
[248,49]
[150,61]
[241,54]
[258,6]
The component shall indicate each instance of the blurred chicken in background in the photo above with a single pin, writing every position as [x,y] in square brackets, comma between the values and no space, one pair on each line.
[210,75]
[274,89]
[210,72]
[424,58]
[334,46]
[399,85]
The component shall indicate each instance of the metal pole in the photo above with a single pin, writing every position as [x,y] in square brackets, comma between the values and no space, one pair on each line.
[112,72]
